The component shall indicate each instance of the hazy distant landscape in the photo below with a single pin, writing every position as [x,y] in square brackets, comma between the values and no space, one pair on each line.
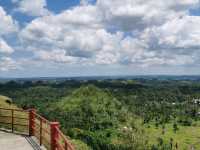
[138,112]
[116,77]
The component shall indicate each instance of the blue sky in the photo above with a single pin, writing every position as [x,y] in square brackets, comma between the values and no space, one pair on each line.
[99,37]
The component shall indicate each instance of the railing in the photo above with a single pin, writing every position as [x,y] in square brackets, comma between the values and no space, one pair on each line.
[30,123]
[62,142]
[15,119]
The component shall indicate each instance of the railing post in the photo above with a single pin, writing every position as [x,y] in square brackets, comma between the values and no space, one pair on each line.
[31,121]
[54,134]
[41,136]
[66,145]
[12,125]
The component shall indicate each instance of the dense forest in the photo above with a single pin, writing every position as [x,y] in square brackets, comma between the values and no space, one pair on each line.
[117,114]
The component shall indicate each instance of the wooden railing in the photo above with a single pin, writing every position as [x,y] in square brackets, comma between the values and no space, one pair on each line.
[14,119]
[62,142]
[30,123]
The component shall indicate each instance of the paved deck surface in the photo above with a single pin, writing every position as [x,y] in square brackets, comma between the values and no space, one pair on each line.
[9,141]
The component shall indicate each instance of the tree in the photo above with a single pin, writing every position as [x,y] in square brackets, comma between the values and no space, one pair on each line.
[175,127]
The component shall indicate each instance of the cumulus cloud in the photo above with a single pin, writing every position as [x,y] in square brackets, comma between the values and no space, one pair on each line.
[7,64]
[56,56]
[182,33]
[139,14]
[140,33]
[32,7]
[7,24]
[80,34]
[5,48]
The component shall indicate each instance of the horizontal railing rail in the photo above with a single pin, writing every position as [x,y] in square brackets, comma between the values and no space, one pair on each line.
[48,133]
[13,118]
[63,142]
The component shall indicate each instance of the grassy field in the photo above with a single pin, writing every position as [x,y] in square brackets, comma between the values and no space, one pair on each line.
[186,137]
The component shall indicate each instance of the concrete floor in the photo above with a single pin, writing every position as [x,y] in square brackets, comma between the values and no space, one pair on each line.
[9,141]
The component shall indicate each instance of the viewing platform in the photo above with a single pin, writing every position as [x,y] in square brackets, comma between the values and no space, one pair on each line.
[10,141]
[27,130]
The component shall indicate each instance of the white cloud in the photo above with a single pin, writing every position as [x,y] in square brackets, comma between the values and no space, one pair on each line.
[182,33]
[106,58]
[32,7]
[58,56]
[7,24]
[139,14]
[140,33]
[7,64]
[69,41]
[5,48]
[80,34]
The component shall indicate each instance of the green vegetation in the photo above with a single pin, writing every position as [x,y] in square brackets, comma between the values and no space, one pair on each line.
[186,137]
[137,114]
[93,116]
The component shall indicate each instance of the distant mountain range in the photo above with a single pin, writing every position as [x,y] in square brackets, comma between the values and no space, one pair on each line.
[80,78]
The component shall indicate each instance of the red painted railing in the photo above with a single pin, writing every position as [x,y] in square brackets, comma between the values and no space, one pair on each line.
[48,133]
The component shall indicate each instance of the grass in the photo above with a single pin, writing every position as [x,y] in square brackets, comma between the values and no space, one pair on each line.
[186,137]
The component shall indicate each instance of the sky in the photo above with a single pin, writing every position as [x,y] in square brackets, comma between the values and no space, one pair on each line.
[48,38]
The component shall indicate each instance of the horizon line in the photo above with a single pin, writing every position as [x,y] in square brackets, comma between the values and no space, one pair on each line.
[91,76]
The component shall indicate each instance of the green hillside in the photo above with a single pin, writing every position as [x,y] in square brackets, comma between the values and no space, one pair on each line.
[93,105]
[91,109]
[95,117]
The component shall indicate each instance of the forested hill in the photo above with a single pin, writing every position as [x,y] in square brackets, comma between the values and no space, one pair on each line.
[95,117]
[117,114]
